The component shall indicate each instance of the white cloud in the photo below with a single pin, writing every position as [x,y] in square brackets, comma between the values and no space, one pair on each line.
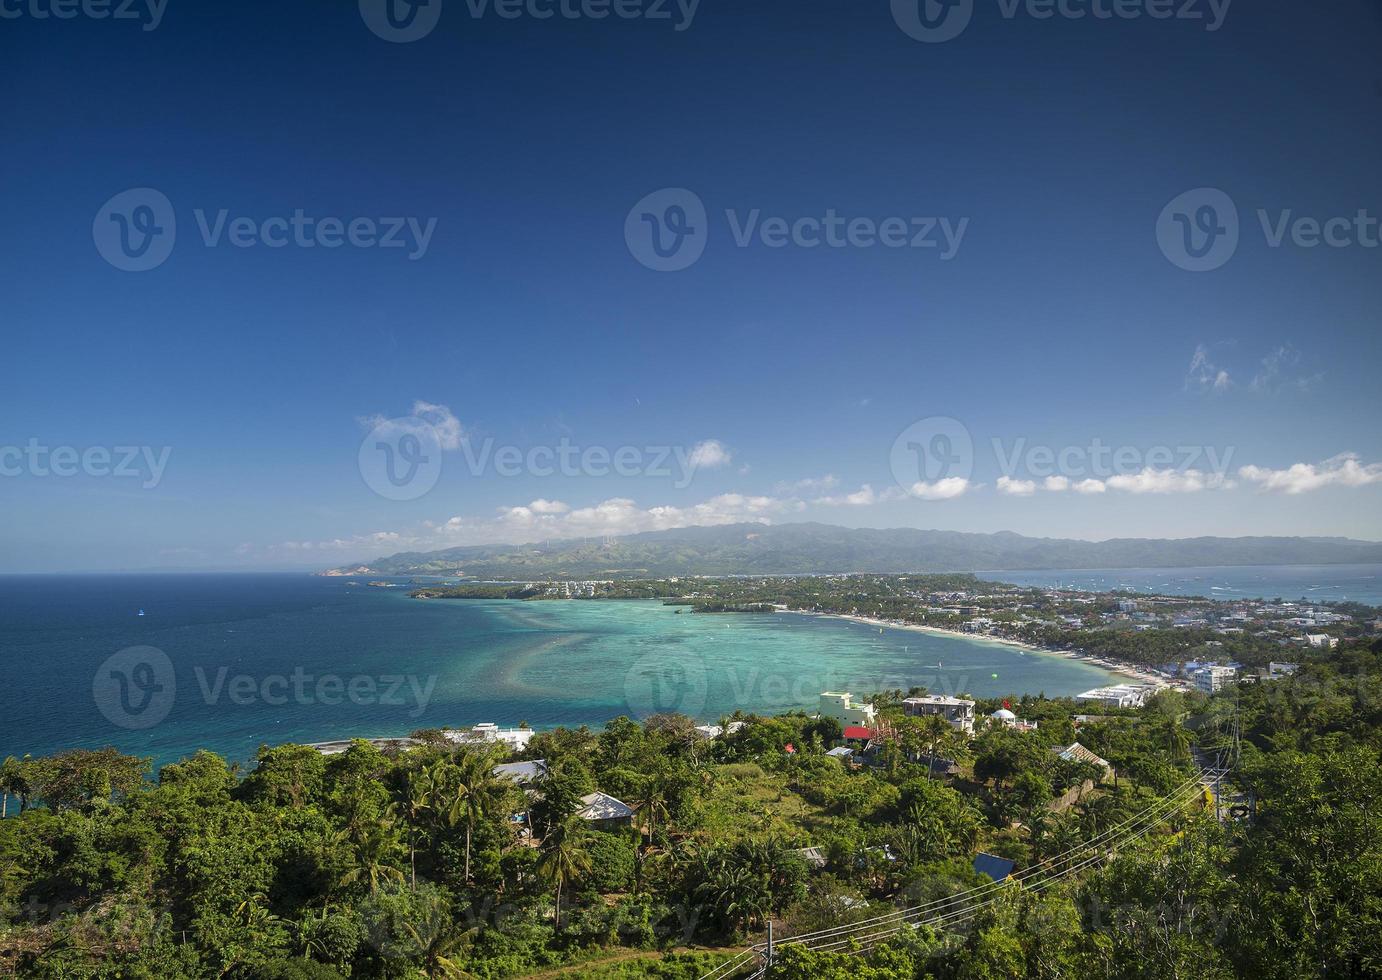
[449,431]
[1343,470]
[950,487]
[1060,484]
[443,422]
[709,454]
[1153,480]
[1016,488]
[536,521]
[1204,375]
[812,484]
[615,516]
[865,496]
[1278,372]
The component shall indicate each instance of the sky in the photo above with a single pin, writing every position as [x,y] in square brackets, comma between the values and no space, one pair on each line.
[297,285]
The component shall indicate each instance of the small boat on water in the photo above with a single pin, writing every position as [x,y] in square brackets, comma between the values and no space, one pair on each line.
[141,612]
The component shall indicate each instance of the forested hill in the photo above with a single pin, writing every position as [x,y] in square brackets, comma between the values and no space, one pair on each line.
[747,549]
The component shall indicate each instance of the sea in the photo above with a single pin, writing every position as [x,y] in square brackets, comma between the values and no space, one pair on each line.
[1313,583]
[164,665]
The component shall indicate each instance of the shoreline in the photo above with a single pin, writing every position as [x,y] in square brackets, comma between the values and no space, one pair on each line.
[1128,671]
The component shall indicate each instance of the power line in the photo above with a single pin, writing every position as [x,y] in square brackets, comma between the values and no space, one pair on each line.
[889,924]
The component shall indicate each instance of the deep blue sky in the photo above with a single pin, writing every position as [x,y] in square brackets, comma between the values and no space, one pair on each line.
[1058,321]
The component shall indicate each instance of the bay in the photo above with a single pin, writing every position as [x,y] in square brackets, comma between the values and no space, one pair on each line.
[255,659]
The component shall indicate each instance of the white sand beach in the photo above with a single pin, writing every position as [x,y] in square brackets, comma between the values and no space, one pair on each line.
[1123,670]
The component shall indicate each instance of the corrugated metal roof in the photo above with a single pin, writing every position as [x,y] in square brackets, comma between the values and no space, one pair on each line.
[994,866]
[602,806]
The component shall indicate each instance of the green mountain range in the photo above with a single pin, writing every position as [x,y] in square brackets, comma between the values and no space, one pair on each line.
[750,549]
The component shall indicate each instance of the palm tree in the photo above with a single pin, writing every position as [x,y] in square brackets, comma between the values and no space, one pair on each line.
[424,788]
[738,896]
[1177,740]
[374,846]
[936,731]
[651,804]
[255,914]
[472,791]
[564,857]
[11,783]
[437,938]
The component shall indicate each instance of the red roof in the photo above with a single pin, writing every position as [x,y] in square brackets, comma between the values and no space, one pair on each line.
[859,732]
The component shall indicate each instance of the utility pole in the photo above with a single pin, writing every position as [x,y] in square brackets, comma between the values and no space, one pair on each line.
[770,941]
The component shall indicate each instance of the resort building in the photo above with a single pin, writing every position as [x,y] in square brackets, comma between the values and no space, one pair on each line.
[957,711]
[1211,679]
[1119,695]
[708,733]
[1006,718]
[842,707]
[514,738]
[1279,670]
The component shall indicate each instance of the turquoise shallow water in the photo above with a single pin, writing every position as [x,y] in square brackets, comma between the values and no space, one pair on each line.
[242,660]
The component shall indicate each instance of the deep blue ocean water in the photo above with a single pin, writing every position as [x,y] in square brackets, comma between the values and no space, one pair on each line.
[1317,583]
[231,662]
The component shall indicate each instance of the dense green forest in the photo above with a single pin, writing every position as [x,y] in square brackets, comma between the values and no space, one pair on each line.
[420,863]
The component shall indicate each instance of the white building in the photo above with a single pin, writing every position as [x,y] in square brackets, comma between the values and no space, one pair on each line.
[842,707]
[1005,717]
[708,733]
[1119,695]
[1321,640]
[1276,670]
[957,711]
[515,738]
[1211,679]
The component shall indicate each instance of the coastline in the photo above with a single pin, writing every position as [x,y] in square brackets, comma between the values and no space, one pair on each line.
[1133,674]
